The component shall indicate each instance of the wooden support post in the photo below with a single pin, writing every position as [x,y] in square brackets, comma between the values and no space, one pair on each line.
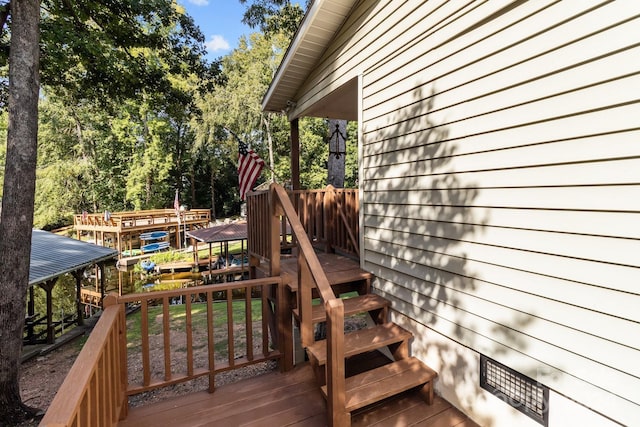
[121,354]
[305,285]
[102,286]
[336,395]
[31,312]
[295,155]
[31,307]
[274,223]
[285,327]
[48,288]
[79,312]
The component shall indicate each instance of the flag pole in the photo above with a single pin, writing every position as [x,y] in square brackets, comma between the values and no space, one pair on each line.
[176,208]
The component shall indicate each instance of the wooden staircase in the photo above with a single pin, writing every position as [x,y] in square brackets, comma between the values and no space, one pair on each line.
[313,284]
[394,371]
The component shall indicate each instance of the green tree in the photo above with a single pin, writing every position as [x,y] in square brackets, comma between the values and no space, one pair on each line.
[93,52]
[235,104]
[274,16]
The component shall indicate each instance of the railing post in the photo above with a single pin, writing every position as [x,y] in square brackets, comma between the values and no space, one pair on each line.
[121,351]
[336,399]
[274,230]
[331,223]
[305,284]
[285,328]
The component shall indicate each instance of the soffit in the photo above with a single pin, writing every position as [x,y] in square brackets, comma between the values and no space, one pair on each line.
[319,26]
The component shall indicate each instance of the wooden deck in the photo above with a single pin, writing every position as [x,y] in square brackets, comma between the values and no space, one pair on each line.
[339,270]
[287,399]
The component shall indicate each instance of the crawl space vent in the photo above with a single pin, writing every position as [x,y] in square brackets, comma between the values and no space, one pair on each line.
[521,392]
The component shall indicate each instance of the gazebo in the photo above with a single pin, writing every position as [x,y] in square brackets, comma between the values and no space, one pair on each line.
[53,256]
[222,234]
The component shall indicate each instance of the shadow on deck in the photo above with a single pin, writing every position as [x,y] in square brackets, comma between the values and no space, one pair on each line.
[286,399]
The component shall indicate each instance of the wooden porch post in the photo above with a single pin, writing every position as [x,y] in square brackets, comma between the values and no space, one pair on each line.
[102,289]
[48,288]
[336,399]
[295,155]
[79,312]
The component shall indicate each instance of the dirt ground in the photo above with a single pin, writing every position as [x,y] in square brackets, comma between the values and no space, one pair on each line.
[41,376]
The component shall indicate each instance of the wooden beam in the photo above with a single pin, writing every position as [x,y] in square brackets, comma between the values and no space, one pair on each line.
[48,288]
[295,155]
[78,276]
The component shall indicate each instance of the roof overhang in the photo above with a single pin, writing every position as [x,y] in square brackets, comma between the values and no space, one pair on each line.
[53,255]
[319,26]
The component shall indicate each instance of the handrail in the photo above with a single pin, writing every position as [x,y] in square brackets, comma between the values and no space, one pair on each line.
[91,393]
[309,272]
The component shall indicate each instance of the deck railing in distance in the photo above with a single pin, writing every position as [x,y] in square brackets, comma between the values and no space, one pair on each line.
[310,275]
[176,336]
[329,217]
[138,220]
[93,392]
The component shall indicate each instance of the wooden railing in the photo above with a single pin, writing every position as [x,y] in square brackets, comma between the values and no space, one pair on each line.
[310,276]
[162,346]
[154,375]
[93,392]
[328,216]
[125,221]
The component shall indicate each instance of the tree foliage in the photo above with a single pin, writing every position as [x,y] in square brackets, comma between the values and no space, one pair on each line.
[96,56]
[130,112]
[273,16]
[113,50]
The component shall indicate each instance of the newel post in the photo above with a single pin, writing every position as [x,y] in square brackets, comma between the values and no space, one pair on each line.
[305,283]
[120,352]
[275,212]
[336,399]
[330,216]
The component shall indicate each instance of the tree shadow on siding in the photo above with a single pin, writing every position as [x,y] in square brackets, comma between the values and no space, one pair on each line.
[418,217]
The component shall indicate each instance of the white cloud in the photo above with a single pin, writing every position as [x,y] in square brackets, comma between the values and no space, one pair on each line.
[199,2]
[217,43]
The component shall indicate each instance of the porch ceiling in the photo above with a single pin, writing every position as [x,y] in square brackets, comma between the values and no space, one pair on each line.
[320,24]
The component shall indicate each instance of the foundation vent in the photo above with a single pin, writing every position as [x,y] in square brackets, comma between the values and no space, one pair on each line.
[521,392]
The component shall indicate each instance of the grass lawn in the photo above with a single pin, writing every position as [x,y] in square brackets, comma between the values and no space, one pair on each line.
[177,315]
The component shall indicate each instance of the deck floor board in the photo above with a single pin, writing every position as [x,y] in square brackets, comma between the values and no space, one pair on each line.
[285,399]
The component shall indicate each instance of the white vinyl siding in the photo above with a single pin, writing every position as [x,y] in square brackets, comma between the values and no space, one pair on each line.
[500,179]
[501,190]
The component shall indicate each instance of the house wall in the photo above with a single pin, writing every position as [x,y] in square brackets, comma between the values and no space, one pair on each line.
[501,190]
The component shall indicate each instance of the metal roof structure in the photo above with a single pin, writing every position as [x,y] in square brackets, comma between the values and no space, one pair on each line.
[220,233]
[53,255]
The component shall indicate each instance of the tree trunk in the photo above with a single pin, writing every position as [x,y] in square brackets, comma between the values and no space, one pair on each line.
[212,184]
[337,152]
[16,219]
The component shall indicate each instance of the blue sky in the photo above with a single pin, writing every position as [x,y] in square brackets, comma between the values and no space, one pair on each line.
[220,22]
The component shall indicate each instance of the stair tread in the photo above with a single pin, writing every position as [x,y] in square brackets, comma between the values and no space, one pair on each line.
[362,340]
[353,305]
[335,278]
[386,381]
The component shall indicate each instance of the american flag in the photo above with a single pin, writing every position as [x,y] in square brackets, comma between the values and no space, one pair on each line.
[249,167]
